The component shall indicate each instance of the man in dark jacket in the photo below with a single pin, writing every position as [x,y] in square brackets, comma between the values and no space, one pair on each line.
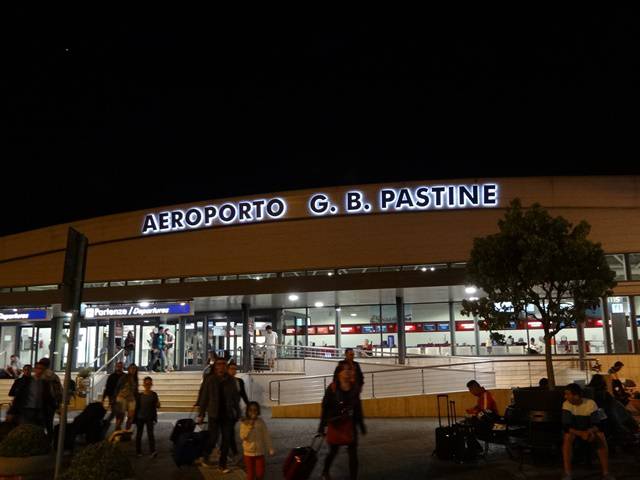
[110,390]
[219,399]
[33,401]
[349,361]
[17,384]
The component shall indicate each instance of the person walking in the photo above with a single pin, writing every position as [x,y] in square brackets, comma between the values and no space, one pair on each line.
[232,371]
[341,414]
[349,356]
[126,397]
[14,368]
[33,399]
[169,341]
[219,399]
[54,387]
[109,393]
[130,348]
[271,342]
[147,405]
[256,442]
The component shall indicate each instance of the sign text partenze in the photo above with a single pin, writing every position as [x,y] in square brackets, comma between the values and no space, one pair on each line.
[387,200]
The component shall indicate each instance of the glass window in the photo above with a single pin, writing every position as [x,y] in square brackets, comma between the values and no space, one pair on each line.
[132,283]
[321,323]
[228,277]
[200,279]
[300,273]
[92,285]
[256,276]
[360,323]
[39,288]
[390,269]
[619,323]
[616,263]
[19,289]
[117,284]
[172,280]
[427,326]
[634,263]
[313,273]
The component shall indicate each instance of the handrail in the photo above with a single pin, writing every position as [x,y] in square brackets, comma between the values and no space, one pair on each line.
[91,393]
[453,367]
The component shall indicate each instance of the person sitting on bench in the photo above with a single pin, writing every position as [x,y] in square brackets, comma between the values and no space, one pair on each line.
[580,420]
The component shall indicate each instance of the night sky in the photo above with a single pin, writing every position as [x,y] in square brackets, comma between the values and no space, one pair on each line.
[119,108]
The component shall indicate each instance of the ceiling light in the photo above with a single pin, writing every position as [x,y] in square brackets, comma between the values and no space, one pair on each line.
[470,290]
[424,269]
[473,299]
[144,304]
[338,309]
[432,269]
[318,304]
[354,314]
[293,298]
[330,274]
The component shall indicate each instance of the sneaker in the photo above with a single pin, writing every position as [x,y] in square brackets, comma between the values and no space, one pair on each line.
[154,454]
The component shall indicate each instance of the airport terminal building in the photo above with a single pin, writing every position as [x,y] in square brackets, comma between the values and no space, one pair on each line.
[326,267]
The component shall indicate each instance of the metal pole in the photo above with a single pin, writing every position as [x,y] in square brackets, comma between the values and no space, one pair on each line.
[246,341]
[402,334]
[605,325]
[581,344]
[73,281]
[634,324]
[373,391]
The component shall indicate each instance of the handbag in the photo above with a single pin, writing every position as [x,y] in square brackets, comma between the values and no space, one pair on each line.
[340,432]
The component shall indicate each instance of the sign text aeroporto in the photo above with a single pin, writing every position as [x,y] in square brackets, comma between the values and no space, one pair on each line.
[354,202]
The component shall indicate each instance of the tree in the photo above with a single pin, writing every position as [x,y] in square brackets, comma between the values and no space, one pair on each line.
[537,266]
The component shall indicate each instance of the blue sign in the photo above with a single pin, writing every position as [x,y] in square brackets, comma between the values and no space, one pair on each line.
[443,327]
[23,314]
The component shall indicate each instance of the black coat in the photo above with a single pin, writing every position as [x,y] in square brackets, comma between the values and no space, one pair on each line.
[338,403]
[242,391]
[110,387]
[212,390]
[22,395]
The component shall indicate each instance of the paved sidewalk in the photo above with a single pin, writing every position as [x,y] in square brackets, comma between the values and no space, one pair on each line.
[394,448]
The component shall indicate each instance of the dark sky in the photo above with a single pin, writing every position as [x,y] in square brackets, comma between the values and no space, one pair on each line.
[113,109]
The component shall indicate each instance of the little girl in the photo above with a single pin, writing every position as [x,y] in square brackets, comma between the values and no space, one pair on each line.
[256,442]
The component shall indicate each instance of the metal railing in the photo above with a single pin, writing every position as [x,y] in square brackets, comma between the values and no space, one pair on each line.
[100,376]
[394,382]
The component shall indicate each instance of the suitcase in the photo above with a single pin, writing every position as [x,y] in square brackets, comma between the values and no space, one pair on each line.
[184,425]
[301,461]
[444,435]
[453,441]
[188,447]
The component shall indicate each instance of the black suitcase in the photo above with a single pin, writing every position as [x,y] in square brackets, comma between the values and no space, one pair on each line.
[188,447]
[184,425]
[444,435]
[301,461]
[454,441]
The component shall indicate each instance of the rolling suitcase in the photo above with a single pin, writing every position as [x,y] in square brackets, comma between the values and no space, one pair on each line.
[189,446]
[444,435]
[184,425]
[301,461]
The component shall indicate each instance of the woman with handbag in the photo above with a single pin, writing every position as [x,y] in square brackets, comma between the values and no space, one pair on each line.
[341,414]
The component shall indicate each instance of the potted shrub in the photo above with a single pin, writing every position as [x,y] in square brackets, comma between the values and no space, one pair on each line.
[83,382]
[26,453]
[99,461]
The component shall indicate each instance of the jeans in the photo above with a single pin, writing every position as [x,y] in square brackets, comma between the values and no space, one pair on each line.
[140,424]
[130,358]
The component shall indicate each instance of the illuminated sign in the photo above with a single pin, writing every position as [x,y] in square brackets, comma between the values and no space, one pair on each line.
[24,314]
[138,310]
[352,202]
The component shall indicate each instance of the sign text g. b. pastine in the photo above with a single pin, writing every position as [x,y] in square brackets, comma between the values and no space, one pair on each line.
[352,202]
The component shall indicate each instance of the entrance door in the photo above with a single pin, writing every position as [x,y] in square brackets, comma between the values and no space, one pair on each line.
[27,343]
[195,354]
[43,343]
[7,344]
